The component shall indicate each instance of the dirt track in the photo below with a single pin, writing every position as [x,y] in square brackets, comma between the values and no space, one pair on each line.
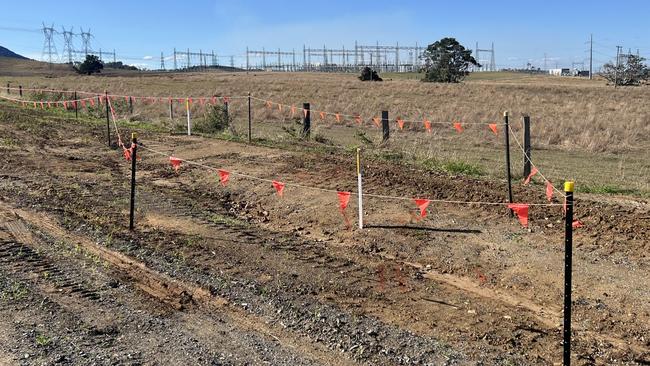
[232,275]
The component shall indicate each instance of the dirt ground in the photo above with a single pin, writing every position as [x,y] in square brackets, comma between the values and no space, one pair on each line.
[237,275]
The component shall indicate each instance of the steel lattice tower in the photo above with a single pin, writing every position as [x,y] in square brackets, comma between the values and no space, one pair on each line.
[67,46]
[49,48]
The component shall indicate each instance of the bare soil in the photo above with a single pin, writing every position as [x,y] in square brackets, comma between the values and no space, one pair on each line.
[237,275]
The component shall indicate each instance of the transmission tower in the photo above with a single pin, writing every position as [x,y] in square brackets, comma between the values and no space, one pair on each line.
[67,47]
[162,61]
[85,38]
[49,48]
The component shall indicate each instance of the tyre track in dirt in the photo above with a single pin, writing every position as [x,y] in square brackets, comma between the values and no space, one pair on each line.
[176,294]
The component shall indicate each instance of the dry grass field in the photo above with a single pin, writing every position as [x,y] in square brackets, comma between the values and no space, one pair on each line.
[581,129]
[237,274]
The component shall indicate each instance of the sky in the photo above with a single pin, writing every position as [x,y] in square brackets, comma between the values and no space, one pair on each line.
[522,31]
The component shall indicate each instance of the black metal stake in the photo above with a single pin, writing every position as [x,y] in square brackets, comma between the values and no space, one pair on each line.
[171,110]
[108,123]
[250,119]
[385,126]
[134,151]
[306,122]
[8,90]
[130,105]
[568,263]
[509,177]
[20,90]
[527,161]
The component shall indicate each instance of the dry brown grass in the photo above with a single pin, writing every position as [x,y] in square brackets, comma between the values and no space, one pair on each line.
[581,129]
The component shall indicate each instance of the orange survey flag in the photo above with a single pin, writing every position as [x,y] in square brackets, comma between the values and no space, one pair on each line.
[357,118]
[400,123]
[224,175]
[322,115]
[269,104]
[422,204]
[344,199]
[427,125]
[458,127]
[521,209]
[375,120]
[338,117]
[549,191]
[279,107]
[279,187]
[493,127]
[293,110]
[530,176]
[576,224]
[175,162]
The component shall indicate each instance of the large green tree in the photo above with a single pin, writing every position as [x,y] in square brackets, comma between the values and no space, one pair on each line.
[91,65]
[447,61]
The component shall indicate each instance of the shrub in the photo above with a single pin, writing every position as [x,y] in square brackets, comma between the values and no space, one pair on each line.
[216,120]
[368,74]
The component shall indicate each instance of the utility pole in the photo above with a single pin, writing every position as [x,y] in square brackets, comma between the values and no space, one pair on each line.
[591,56]
[188,59]
[618,57]
[175,65]
[162,61]
[68,48]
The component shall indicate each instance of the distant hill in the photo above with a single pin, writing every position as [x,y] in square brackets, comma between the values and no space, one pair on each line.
[5,52]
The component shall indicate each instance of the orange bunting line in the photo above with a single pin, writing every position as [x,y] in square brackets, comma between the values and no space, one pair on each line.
[181,100]
[521,209]
[189,100]
[92,102]
[400,123]
[293,110]
[427,125]
[83,104]
[549,191]
[458,127]
[214,99]
[279,187]
[175,162]
[375,120]
[577,224]
[65,104]
[422,204]
[493,127]
[357,118]
[50,105]
[530,176]
[126,99]
[127,153]
[322,115]
[202,101]
[224,175]
[338,117]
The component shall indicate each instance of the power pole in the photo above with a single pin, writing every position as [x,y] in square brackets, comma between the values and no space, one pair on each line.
[493,64]
[162,61]
[591,56]
[175,64]
[618,54]
[188,59]
[114,56]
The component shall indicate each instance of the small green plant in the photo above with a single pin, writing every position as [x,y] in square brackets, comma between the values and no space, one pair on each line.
[363,137]
[605,189]
[216,120]
[42,340]
[460,167]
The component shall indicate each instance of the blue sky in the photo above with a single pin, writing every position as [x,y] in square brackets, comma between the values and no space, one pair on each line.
[522,31]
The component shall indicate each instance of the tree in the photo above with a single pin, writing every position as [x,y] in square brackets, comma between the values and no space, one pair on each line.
[631,72]
[368,74]
[447,61]
[91,65]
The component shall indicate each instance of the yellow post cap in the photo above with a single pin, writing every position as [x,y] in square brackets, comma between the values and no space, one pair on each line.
[505,113]
[134,135]
[568,186]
